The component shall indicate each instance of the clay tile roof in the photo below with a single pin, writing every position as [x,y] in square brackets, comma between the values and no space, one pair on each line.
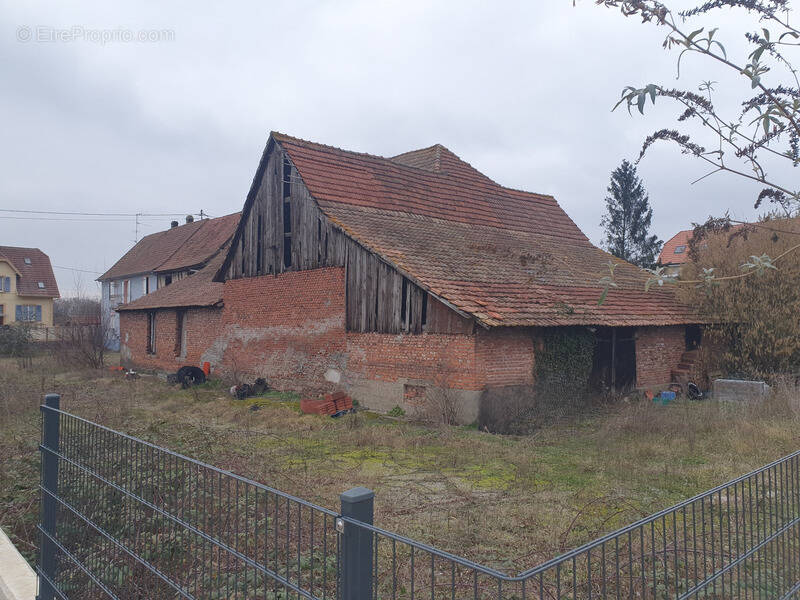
[195,290]
[676,249]
[177,248]
[505,256]
[207,240]
[39,270]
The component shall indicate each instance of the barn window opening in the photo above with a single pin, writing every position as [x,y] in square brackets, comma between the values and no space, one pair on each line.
[287,178]
[151,333]
[258,247]
[424,308]
[403,301]
[409,310]
[287,217]
[377,295]
[287,234]
[242,253]
[319,242]
[287,251]
[167,279]
[180,333]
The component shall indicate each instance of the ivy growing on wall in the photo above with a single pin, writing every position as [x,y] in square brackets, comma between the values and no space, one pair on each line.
[563,363]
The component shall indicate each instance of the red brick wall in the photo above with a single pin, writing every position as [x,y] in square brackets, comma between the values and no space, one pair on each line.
[447,360]
[288,328]
[505,356]
[202,325]
[658,351]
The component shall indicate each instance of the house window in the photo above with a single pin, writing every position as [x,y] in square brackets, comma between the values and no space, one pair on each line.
[27,261]
[125,290]
[6,281]
[146,285]
[41,285]
[167,279]
[151,333]
[29,313]
[680,249]
[180,334]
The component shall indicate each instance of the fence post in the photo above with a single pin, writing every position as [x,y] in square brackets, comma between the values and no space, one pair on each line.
[47,549]
[356,567]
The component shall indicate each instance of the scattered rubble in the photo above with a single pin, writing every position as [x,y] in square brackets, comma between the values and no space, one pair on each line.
[246,390]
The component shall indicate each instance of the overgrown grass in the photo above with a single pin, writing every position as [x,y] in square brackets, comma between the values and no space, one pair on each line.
[506,501]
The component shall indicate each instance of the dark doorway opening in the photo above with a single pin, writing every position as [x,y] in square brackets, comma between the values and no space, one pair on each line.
[694,335]
[614,363]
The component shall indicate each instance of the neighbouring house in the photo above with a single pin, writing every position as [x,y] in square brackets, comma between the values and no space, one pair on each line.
[399,278]
[675,253]
[159,260]
[27,287]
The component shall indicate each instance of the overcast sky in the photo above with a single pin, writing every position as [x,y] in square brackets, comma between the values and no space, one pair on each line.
[521,90]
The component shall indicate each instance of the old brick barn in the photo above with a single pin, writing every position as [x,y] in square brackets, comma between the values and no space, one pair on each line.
[394,277]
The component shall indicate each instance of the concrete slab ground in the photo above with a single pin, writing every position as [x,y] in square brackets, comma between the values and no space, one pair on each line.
[17,578]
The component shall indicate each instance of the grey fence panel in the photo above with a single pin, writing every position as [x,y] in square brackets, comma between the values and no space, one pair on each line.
[123,518]
[139,521]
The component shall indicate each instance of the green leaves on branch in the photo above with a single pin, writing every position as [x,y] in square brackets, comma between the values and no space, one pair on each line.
[658,276]
[758,264]
[698,45]
[637,97]
[607,282]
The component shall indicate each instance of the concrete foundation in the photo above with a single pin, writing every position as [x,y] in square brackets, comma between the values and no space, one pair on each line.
[415,396]
[17,578]
[736,390]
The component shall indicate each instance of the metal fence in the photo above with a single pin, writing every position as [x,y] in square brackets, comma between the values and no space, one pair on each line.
[123,518]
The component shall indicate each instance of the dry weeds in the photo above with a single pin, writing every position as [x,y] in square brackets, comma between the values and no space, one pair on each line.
[507,501]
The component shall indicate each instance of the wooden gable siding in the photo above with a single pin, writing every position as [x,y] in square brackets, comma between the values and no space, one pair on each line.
[378,297]
[259,249]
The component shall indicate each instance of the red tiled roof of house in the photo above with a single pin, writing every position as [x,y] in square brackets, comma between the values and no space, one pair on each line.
[207,240]
[198,289]
[177,248]
[506,257]
[676,249]
[31,275]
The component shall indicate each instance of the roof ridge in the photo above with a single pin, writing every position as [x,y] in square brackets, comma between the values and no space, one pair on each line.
[22,248]
[186,241]
[521,191]
[389,159]
[277,135]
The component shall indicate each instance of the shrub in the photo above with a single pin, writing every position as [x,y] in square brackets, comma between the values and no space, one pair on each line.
[509,409]
[755,324]
[17,341]
[396,412]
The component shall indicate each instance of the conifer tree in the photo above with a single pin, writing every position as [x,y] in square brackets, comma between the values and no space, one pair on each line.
[628,217]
